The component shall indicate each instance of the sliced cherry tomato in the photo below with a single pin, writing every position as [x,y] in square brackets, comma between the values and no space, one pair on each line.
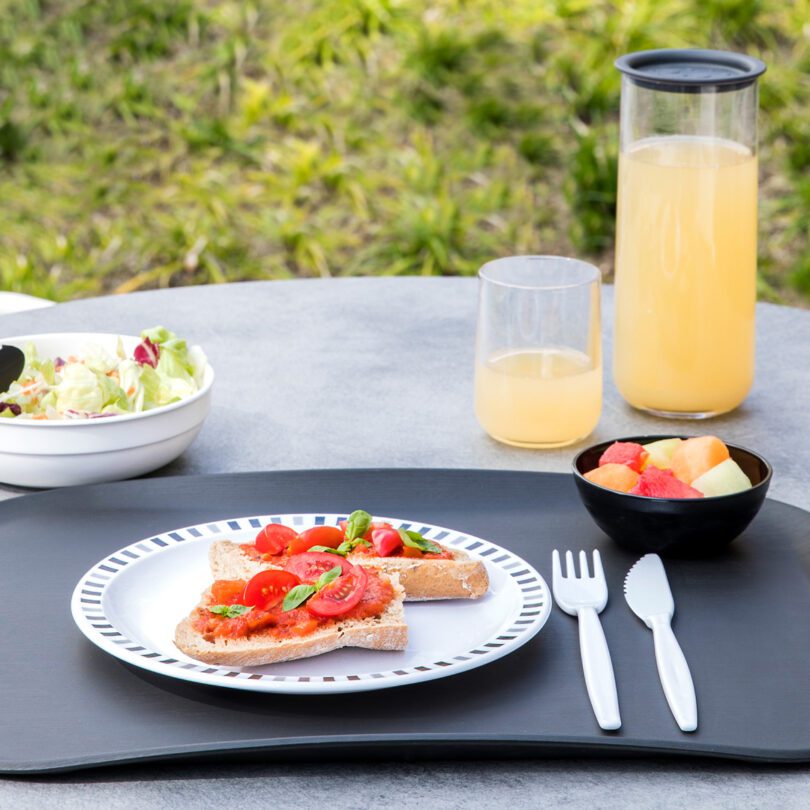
[410,551]
[386,541]
[268,588]
[329,536]
[274,537]
[227,591]
[340,595]
[310,565]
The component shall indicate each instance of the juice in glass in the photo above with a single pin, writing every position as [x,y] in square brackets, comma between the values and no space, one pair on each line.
[538,362]
[686,230]
[534,397]
[686,274]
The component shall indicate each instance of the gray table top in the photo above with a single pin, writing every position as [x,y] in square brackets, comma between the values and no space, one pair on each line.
[290,358]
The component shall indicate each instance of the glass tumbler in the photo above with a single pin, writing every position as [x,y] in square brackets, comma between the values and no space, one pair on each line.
[538,364]
[686,231]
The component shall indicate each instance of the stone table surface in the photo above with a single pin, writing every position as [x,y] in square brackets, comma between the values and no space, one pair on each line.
[291,359]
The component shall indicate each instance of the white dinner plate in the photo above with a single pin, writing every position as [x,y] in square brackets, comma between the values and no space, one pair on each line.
[129,604]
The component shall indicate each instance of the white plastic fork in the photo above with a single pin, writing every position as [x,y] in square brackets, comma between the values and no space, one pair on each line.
[585,597]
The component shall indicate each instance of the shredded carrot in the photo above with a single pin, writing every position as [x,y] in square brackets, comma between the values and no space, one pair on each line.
[130,390]
[39,416]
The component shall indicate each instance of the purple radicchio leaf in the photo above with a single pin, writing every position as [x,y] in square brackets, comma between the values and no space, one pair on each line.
[147,353]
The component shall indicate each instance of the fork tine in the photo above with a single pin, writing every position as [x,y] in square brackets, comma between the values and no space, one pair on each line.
[598,572]
[556,572]
[583,565]
[570,571]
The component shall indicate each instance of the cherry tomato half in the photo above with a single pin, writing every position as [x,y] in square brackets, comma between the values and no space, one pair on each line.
[329,536]
[274,537]
[268,588]
[340,595]
[386,541]
[310,565]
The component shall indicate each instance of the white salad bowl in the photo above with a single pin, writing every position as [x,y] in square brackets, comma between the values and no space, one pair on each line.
[62,453]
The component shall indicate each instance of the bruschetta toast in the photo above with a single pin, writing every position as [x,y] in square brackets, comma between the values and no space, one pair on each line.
[426,569]
[277,616]
[458,577]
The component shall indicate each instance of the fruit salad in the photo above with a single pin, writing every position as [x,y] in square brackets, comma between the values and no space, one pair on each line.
[670,468]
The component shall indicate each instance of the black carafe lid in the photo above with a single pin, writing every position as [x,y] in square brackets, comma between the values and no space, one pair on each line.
[690,70]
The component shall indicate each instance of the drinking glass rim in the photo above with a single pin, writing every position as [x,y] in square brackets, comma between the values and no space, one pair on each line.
[594,274]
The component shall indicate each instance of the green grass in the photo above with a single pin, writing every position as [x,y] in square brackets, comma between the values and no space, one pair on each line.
[149,143]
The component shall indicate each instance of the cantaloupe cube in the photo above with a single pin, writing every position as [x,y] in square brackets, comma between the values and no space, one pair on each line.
[614,476]
[659,454]
[722,479]
[694,457]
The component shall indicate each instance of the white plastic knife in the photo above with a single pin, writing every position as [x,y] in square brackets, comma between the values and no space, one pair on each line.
[646,590]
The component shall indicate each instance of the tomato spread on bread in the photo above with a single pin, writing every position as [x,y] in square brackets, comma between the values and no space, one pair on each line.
[359,535]
[282,604]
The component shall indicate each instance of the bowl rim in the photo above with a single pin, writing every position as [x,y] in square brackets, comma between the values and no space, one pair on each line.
[637,439]
[117,419]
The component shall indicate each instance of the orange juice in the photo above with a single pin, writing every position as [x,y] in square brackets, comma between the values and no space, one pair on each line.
[538,397]
[686,252]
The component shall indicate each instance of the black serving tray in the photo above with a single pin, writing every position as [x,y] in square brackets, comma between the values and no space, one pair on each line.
[743,620]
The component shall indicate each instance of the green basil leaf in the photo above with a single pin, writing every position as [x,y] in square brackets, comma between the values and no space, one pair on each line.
[357,524]
[328,576]
[415,540]
[230,611]
[347,547]
[340,551]
[297,596]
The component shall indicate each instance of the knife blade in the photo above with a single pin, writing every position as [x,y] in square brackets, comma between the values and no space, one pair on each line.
[647,592]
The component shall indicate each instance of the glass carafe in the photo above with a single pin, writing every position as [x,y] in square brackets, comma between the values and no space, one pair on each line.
[686,231]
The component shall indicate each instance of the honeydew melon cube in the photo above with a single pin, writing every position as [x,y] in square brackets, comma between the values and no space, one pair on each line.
[724,478]
[660,453]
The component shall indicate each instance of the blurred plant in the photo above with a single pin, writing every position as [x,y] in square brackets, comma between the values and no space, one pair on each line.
[591,189]
[148,143]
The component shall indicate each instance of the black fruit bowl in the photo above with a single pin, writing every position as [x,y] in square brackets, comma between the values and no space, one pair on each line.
[672,526]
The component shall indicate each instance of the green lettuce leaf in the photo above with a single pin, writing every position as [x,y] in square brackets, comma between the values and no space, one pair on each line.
[79,390]
[180,369]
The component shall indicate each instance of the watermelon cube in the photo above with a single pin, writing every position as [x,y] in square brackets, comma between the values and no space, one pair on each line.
[629,453]
[656,483]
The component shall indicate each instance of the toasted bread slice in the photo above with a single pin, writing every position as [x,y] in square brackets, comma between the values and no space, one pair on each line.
[460,578]
[388,631]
